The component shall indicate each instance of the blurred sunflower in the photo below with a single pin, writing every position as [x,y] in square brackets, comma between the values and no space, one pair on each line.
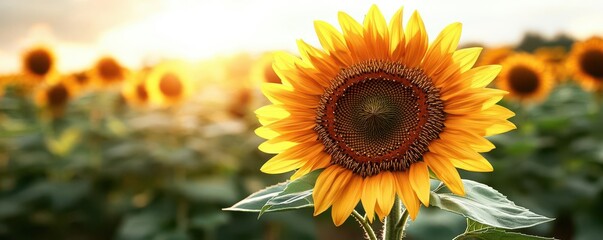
[82,79]
[554,57]
[38,63]
[378,108]
[585,62]
[55,96]
[494,55]
[262,70]
[135,91]
[239,103]
[169,83]
[525,77]
[108,71]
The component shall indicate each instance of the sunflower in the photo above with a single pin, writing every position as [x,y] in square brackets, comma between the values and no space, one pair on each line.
[135,91]
[525,77]
[169,83]
[108,71]
[55,96]
[586,63]
[376,109]
[38,63]
[554,57]
[494,55]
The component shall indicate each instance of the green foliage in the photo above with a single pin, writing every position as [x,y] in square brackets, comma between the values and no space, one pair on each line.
[105,170]
[487,206]
[290,195]
[477,231]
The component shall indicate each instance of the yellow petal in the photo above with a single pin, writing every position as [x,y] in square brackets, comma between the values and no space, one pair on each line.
[466,58]
[275,147]
[353,35]
[375,32]
[346,201]
[397,45]
[266,133]
[445,171]
[419,180]
[328,185]
[481,76]
[370,190]
[406,193]
[386,198]
[479,164]
[292,158]
[330,39]
[416,41]
[442,46]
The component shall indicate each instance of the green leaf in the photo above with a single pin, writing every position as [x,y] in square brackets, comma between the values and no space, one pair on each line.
[497,234]
[291,195]
[257,200]
[487,206]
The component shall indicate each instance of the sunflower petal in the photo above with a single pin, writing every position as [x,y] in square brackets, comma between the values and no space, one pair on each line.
[346,201]
[416,41]
[406,193]
[370,190]
[328,186]
[397,45]
[466,58]
[419,181]
[446,172]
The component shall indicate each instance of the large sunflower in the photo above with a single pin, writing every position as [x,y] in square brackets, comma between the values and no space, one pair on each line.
[525,77]
[586,63]
[376,109]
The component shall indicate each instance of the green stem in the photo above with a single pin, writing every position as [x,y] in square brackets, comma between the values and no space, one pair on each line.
[391,221]
[370,233]
[401,226]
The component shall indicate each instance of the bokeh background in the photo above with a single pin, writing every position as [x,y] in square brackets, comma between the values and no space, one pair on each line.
[134,119]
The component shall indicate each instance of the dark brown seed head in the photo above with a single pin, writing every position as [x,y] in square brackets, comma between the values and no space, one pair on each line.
[109,70]
[57,95]
[379,116]
[592,64]
[170,85]
[523,80]
[38,62]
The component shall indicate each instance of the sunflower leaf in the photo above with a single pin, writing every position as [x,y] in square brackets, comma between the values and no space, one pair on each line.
[487,206]
[497,234]
[290,195]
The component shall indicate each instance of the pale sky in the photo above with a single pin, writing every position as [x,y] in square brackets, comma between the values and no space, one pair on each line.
[136,31]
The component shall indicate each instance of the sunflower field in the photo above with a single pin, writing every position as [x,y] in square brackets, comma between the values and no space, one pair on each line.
[169,149]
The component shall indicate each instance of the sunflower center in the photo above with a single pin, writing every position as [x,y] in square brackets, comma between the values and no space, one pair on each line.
[523,80]
[109,69]
[170,85]
[592,63]
[57,95]
[39,62]
[81,77]
[141,92]
[379,116]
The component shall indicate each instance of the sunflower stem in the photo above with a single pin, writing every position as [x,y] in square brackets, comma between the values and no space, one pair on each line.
[370,233]
[401,226]
[391,221]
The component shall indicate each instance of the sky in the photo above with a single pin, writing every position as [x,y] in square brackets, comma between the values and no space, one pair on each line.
[139,31]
